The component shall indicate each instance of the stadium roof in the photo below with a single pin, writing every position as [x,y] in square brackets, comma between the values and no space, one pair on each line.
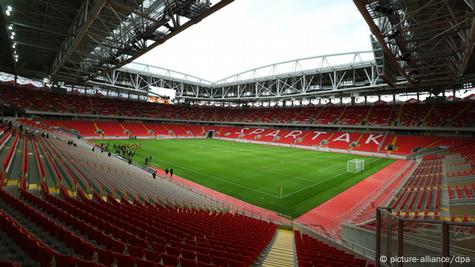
[305,77]
[75,40]
[428,43]
[417,46]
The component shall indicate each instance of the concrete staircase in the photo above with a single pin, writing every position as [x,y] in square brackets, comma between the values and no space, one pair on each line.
[281,253]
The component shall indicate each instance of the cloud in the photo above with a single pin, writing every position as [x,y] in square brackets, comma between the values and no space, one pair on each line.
[251,33]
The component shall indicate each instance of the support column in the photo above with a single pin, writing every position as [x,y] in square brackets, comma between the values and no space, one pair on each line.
[353,100]
[394,98]
[400,239]
[445,242]
[377,251]
[389,234]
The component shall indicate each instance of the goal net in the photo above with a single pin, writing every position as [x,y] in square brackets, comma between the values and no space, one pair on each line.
[355,165]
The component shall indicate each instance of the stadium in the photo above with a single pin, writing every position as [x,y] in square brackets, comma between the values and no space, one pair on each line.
[363,158]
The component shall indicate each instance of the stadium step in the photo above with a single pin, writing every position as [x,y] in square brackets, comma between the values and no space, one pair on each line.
[281,252]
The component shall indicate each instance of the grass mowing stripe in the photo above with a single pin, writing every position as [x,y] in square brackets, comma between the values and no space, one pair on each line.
[220,179]
[312,185]
[255,173]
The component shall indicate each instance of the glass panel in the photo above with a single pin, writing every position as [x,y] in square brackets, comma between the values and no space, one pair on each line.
[462,245]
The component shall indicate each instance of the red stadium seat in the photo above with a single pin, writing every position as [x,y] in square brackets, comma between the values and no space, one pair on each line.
[169,260]
[187,262]
[146,263]
[125,260]
[106,257]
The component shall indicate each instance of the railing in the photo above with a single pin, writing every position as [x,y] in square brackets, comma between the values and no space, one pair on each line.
[5,138]
[24,164]
[38,159]
[332,239]
[360,208]
[399,240]
[8,158]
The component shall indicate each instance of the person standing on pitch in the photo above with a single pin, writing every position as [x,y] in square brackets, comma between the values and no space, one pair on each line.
[171,172]
[166,171]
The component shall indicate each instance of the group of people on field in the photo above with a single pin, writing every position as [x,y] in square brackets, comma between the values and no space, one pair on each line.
[128,151]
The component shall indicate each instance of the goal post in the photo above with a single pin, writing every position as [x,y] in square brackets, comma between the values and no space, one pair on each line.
[355,165]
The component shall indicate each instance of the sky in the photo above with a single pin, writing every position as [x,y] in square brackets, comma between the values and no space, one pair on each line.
[252,33]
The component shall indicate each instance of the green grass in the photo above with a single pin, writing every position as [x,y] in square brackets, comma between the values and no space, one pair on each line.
[256,173]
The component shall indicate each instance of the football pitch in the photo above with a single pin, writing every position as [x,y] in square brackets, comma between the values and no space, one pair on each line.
[287,180]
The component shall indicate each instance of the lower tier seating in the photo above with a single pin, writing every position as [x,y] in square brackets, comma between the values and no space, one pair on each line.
[94,232]
[312,252]
[376,142]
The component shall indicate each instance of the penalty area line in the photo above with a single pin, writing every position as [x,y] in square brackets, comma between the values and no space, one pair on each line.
[312,185]
[223,180]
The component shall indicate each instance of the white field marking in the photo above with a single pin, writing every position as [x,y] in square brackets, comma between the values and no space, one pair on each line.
[283,180]
[297,160]
[282,161]
[262,168]
[228,150]
[223,180]
[287,175]
[217,144]
[253,176]
[285,161]
[207,148]
[312,185]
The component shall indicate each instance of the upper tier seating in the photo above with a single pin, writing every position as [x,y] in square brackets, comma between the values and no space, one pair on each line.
[383,115]
[355,115]
[413,114]
[408,114]
[466,117]
[329,115]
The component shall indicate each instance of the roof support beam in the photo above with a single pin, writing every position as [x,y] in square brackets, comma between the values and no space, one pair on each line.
[468,50]
[378,35]
[183,27]
[116,87]
[79,30]
[31,27]
[36,46]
